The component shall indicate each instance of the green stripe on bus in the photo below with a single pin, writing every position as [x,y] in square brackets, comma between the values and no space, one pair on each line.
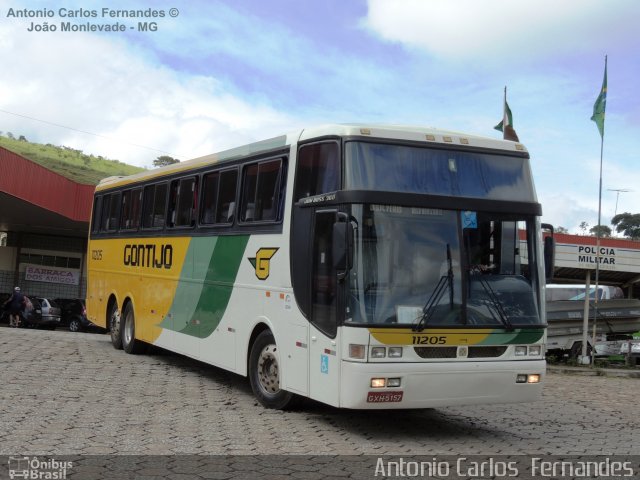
[199,306]
[529,336]
[499,337]
[520,336]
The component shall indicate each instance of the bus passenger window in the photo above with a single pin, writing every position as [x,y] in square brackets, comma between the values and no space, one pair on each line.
[173,202]
[153,205]
[260,191]
[226,207]
[318,170]
[104,216]
[209,198]
[95,219]
[110,212]
[130,216]
[185,211]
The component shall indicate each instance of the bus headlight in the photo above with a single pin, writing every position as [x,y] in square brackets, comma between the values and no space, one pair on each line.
[357,351]
[535,350]
[534,378]
[378,382]
[395,352]
[378,352]
[528,378]
[521,351]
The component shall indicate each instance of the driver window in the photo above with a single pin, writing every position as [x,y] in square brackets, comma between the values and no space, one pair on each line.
[318,170]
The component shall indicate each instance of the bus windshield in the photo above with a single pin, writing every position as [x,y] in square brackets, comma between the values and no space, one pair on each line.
[402,168]
[429,267]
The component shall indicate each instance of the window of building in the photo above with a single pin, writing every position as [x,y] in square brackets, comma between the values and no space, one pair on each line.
[50,260]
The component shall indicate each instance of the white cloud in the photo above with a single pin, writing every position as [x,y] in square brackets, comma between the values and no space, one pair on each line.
[101,85]
[496,30]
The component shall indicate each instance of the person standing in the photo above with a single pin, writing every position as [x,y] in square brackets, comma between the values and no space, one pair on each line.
[15,305]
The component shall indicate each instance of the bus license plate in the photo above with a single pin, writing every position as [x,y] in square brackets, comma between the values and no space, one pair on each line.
[380,397]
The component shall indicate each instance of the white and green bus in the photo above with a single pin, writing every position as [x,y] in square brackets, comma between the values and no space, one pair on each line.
[360,266]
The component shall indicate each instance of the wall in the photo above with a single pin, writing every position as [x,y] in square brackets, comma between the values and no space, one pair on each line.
[43,245]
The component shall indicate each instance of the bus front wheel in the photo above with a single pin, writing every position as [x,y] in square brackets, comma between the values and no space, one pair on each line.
[114,326]
[129,342]
[264,373]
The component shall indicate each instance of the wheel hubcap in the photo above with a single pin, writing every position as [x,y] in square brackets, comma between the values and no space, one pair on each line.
[268,372]
[128,328]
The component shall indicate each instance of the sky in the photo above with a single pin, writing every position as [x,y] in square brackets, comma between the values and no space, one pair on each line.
[216,74]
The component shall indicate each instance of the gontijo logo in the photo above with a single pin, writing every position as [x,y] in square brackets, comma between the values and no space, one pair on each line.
[261,262]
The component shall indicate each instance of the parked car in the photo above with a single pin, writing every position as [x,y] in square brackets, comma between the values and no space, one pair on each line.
[74,315]
[32,315]
[46,313]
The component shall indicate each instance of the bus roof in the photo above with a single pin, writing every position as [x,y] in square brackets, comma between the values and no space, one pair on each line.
[427,135]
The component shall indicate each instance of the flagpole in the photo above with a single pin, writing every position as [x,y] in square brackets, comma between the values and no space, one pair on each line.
[504,114]
[595,309]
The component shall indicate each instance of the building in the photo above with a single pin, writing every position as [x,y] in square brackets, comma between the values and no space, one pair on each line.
[44,221]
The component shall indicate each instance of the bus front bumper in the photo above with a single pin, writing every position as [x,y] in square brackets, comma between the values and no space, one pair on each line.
[428,385]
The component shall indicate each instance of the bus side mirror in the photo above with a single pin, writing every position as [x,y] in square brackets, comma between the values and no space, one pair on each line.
[342,247]
[549,252]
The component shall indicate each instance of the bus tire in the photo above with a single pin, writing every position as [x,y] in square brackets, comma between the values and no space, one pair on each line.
[264,373]
[114,327]
[129,342]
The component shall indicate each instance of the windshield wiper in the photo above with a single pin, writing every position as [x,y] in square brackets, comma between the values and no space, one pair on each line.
[502,315]
[445,282]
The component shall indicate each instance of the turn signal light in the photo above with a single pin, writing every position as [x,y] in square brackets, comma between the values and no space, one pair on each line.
[357,351]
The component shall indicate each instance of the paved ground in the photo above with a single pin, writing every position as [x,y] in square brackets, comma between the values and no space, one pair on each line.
[69,394]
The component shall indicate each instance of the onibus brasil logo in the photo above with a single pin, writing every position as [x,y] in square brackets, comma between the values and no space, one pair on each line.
[261,262]
[38,468]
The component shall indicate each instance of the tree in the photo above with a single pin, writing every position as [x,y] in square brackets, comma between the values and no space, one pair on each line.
[583,226]
[628,224]
[561,230]
[164,160]
[604,230]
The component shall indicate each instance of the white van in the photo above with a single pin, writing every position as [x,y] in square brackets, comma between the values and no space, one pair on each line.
[556,292]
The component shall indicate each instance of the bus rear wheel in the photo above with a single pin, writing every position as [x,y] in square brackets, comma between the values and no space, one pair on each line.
[264,373]
[114,327]
[129,342]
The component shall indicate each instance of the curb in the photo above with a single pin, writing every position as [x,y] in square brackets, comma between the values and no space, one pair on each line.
[594,372]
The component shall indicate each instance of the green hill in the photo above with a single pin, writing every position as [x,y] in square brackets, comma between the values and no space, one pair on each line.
[73,164]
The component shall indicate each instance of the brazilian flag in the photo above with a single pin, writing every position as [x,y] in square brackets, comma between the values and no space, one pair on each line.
[601,103]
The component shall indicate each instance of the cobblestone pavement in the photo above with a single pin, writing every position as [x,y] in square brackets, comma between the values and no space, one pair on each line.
[70,394]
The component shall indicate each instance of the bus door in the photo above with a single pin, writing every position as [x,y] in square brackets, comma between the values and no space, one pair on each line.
[324,341]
